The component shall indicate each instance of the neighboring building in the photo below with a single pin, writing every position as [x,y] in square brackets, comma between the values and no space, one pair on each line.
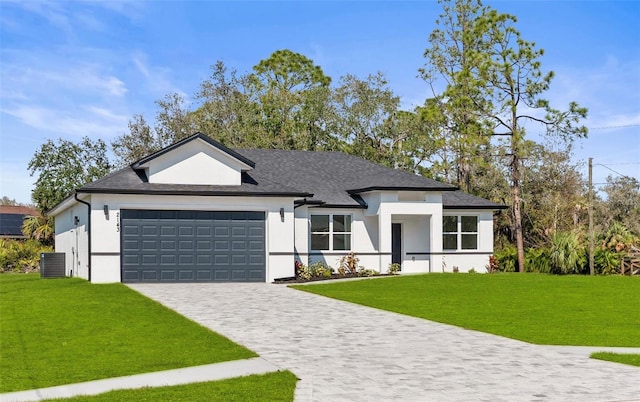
[11,218]
[198,211]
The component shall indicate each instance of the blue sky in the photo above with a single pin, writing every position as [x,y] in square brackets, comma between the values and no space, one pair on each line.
[70,69]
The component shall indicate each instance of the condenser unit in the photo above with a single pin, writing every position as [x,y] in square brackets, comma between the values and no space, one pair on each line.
[52,265]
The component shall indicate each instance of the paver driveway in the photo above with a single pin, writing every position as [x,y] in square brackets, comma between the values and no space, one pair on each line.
[342,351]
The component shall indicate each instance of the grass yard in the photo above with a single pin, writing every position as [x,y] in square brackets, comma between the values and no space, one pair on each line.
[279,386]
[536,308]
[60,331]
[631,359]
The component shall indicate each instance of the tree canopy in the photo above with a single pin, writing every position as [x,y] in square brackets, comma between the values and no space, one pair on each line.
[487,93]
[64,166]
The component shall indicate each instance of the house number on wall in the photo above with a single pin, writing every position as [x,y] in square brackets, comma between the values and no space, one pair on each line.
[117,221]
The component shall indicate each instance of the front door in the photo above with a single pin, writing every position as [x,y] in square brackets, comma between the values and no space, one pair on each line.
[396,243]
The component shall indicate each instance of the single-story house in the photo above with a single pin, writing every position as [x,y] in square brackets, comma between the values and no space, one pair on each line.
[199,211]
[12,218]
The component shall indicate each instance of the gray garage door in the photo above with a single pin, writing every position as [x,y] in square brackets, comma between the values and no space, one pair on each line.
[192,246]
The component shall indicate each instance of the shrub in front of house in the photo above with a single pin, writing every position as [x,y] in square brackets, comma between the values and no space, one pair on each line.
[393,269]
[21,255]
[315,270]
[348,264]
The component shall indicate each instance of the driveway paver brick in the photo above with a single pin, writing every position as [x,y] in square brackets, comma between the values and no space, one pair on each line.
[347,352]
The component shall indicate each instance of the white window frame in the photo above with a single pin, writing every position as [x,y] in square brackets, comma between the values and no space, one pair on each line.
[331,232]
[459,233]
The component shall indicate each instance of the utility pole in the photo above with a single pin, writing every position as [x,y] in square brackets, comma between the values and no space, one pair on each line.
[591,216]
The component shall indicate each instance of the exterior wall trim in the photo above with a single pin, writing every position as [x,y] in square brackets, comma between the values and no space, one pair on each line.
[452,253]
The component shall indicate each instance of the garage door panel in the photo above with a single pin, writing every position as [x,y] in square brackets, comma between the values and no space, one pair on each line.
[130,230]
[203,231]
[256,275]
[239,275]
[221,231]
[221,260]
[167,259]
[185,260]
[185,231]
[185,245]
[238,231]
[167,230]
[132,260]
[221,275]
[256,260]
[239,260]
[204,260]
[168,275]
[238,245]
[204,275]
[190,246]
[203,245]
[221,245]
[221,216]
[185,275]
[149,275]
[168,245]
[149,245]
[128,244]
[255,245]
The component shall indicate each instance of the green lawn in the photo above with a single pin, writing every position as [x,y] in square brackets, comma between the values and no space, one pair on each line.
[631,359]
[59,331]
[279,386]
[542,309]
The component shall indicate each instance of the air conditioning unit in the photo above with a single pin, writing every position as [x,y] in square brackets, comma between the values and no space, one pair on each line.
[52,265]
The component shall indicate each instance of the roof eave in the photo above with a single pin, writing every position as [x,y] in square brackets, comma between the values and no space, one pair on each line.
[400,188]
[141,162]
[64,204]
[487,207]
[343,206]
[196,192]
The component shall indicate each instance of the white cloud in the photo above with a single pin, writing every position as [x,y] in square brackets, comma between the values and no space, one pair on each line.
[36,73]
[157,79]
[610,90]
[73,17]
[98,122]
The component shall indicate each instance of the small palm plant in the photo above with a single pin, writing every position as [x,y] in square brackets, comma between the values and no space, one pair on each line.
[39,228]
[567,253]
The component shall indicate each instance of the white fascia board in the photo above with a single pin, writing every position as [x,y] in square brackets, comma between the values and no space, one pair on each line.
[67,203]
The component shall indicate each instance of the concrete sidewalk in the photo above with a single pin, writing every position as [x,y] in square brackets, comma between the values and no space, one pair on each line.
[208,372]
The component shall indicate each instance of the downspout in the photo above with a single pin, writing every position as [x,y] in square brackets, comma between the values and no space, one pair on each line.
[75,195]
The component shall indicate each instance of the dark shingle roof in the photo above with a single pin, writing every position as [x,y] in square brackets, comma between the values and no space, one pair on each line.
[330,178]
[461,200]
[333,176]
[130,181]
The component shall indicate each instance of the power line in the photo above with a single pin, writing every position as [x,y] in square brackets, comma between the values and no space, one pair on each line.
[623,163]
[618,173]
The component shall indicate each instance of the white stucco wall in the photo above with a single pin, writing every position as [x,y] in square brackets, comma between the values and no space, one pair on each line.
[193,163]
[419,212]
[105,253]
[361,242]
[421,232]
[472,259]
[415,242]
[73,239]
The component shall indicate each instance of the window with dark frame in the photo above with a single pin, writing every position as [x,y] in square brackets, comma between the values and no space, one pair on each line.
[331,232]
[459,232]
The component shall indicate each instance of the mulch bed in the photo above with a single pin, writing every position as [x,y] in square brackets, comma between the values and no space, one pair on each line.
[293,279]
